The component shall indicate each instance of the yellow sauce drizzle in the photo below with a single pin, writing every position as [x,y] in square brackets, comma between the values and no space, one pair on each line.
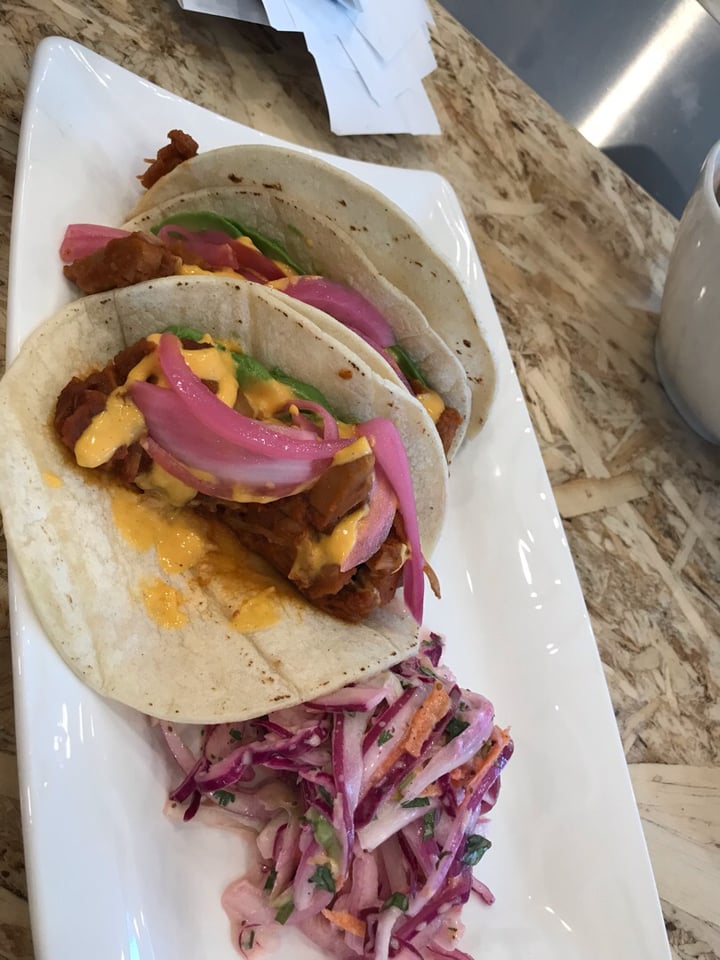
[332,548]
[256,612]
[178,537]
[157,480]
[163,604]
[267,397]
[433,403]
[119,423]
[354,451]
[191,270]
[248,592]
[51,479]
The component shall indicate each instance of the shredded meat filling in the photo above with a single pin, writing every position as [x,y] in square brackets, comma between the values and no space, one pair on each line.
[181,148]
[339,490]
[85,397]
[447,426]
[272,530]
[123,262]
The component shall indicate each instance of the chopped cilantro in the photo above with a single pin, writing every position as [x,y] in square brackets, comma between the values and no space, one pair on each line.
[224,797]
[323,878]
[417,802]
[271,878]
[408,778]
[475,847]
[324,833]
[325,794]
[236,734]
[455,727]
[398,900]
[384,737]
[428,829]
[284,912]
[428,672]
[247,939]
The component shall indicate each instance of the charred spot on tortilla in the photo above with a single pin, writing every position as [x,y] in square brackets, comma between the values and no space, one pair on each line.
[467,343]
[345,374]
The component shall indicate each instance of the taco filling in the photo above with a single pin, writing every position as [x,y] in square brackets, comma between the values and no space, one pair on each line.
[197,422]
[99,258]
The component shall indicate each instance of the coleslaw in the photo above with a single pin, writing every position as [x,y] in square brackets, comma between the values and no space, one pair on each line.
[369,807]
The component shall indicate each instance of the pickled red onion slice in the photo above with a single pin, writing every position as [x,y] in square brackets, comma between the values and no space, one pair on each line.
[222,489]
[390,455]
[181,444]
[268,440]
[344,304]
[388,358]
[82,239]
[329,423]
[219,249]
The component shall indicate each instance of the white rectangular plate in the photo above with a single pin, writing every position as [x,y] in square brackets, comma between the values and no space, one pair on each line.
[109,876]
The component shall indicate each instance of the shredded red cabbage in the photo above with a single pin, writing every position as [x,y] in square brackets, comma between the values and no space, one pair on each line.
[392,881]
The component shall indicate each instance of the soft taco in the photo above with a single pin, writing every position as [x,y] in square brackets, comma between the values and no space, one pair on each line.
[269,237]
[202,449]
[385,233]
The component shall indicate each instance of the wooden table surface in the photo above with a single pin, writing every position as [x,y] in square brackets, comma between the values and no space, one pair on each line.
[575,255]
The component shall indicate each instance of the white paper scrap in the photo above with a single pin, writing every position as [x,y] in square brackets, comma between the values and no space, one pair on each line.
[251,10]
[353,111]
[387,26]
[372,56]
[386,79]
[321,17]
[280,15]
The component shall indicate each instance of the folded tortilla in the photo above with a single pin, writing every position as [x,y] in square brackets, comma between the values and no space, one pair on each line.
[87,583]
[385,233]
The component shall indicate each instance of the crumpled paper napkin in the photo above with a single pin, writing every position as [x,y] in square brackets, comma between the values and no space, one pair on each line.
[371,56]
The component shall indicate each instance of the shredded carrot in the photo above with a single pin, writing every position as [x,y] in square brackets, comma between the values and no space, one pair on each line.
[346,921]
[390,758]
[432,709]
[470,773]
[431,790]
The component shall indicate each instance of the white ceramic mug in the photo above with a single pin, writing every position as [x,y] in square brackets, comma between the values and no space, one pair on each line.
[687,349]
